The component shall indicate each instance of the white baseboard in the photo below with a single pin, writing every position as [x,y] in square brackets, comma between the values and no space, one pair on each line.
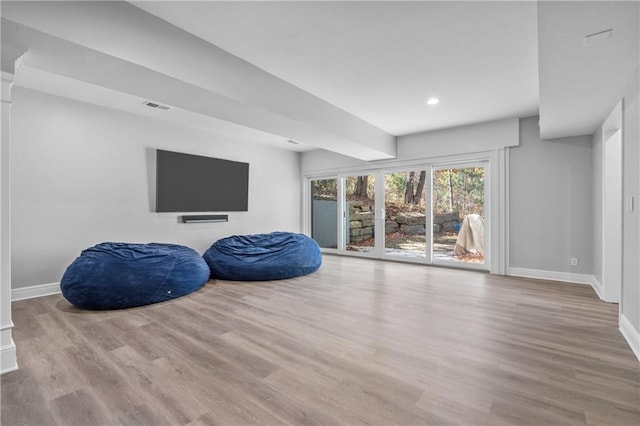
[566,277]
[34,291]
[8,359]
[8,356]
[631,335]
[597,287]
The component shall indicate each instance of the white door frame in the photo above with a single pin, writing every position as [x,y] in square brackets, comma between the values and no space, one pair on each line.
[612,204]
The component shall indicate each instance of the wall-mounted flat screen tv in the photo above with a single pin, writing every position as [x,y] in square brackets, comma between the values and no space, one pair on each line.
[193,183]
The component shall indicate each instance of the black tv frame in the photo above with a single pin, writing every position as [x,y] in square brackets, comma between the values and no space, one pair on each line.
[188,183]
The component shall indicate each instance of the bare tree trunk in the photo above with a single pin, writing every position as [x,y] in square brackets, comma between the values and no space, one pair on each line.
[466,200]
[420,188]
[361,187]
[408,193]
[450,191]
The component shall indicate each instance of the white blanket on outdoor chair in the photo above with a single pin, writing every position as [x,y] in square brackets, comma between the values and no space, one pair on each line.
[471,235]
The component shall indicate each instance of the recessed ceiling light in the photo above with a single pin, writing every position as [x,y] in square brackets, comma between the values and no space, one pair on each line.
[433,101]
[292,142]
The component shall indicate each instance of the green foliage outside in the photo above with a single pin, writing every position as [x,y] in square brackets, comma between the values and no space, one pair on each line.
[360,188]
[395,185]
[325,189]
[460,190]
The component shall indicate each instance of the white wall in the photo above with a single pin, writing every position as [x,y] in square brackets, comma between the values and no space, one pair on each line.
[550,202]
[84,174]
[480,137]
[475,138]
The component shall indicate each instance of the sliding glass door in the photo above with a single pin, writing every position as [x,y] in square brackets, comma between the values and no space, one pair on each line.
[324,212]
[406,226]
[458,198]
[359,207]
[433,214]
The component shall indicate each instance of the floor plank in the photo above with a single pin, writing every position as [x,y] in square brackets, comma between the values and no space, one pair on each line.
[358,342]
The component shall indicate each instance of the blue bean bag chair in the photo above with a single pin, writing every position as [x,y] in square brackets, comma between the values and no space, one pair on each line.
[263,257]
[123,275]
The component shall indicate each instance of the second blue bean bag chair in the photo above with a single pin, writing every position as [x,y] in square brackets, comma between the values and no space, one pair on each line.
[263,257]
[124,275]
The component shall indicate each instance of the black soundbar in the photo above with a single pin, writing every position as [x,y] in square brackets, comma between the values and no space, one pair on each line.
[203,218]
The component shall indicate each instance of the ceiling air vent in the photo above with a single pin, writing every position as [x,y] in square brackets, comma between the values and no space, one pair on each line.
[599,37]
[155,105]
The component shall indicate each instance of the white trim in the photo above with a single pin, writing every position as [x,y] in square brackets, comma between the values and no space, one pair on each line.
[359,169]
[7,80]
[8,355]
[503,210]
[566,277]
[630,334]
[597,287]
[8,358]
[34,291]
[612,221]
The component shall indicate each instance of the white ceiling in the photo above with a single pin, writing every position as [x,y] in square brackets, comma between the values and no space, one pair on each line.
[381,61]
[343,76]
[580,82]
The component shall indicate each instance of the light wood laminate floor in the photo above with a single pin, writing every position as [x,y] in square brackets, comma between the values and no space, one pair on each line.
[358,342]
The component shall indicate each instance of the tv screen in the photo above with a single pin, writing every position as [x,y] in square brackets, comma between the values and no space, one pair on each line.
[193,183]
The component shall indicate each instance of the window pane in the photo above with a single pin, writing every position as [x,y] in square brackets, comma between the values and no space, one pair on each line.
[360,213]
[324,212]
[405,207]
[458,214]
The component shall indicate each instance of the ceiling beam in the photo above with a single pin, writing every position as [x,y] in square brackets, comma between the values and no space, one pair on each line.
[121,47]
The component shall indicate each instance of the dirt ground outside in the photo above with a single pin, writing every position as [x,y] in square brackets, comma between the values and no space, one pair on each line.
[443,246]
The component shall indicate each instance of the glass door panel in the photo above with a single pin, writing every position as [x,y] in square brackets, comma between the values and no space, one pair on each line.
[458,215]
[359,213]
[405,207]
[324,212]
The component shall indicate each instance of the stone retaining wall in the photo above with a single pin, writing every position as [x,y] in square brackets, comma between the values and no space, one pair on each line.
[361,222]
[414,223]
[446,222]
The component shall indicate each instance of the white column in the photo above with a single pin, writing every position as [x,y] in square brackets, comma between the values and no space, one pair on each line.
[8,359]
